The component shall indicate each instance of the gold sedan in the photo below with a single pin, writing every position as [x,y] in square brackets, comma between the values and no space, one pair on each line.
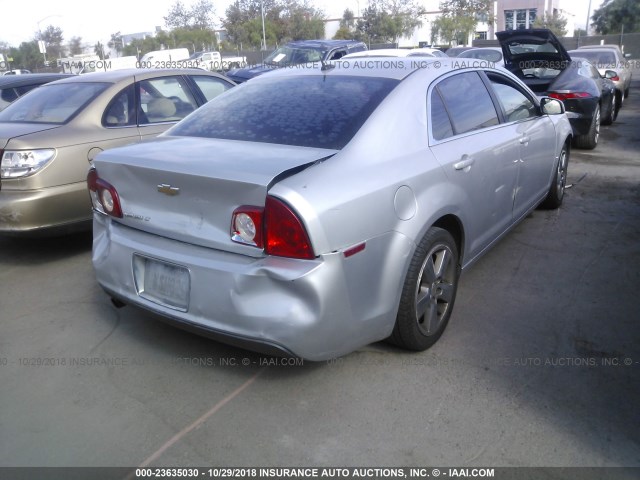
[49,137]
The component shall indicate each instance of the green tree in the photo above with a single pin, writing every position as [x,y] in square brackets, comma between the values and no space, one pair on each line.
[75,46]
[202,15]
[98,49]
[347,27]
[139,47]
[450,30]
[348,19]
[198,17]
[389,20]
[27,55]
[556,23]
[284,20]
[301,21]
[115,43]
[375,26]
[53,39]
[178,16]
[460,18]
[194,40]
[615,16]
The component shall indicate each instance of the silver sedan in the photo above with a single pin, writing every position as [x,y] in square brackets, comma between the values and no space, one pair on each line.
[312,211]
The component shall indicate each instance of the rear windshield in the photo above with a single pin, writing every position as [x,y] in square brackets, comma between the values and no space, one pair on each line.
[52,103]
[518,48]
[310,111]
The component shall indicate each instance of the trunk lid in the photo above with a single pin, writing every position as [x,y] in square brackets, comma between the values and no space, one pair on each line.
[9,130]
[536,44]
[186,188]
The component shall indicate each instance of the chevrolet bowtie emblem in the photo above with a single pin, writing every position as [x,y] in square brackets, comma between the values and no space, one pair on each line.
[168,189]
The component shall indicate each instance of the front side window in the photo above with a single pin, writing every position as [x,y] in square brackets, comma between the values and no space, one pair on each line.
[211,87]
[165,99]
[52,103]
[468,102]
[515,104]
[310,111]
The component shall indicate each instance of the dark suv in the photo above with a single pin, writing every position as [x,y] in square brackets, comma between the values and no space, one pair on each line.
[298,52]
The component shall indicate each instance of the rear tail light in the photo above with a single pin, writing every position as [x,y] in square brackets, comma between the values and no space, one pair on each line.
[104,196]
[615,79]
[568,95]
[275,228]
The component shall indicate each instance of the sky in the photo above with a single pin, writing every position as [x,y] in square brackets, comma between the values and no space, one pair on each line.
[96,22]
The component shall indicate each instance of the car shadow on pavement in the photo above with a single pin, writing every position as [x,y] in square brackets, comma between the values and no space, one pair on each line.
[18,250]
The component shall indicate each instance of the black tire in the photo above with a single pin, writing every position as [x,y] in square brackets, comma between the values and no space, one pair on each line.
[556,189]
[619,100]
[613,111]
[589,141]
[428,293]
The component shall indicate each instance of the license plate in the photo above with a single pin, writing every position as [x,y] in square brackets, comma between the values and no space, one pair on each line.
[162,283]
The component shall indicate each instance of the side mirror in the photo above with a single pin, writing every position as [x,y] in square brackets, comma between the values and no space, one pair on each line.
[610,74]
[551,106]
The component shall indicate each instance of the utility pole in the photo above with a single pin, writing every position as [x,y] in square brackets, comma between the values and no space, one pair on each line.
[264,36]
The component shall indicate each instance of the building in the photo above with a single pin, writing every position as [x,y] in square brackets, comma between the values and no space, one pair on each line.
[519,14]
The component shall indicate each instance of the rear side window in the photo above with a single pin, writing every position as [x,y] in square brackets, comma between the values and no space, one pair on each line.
[310,111]
[8,95]
[468,103]
[121,112]
[26,88]
[440,124]
[211,87]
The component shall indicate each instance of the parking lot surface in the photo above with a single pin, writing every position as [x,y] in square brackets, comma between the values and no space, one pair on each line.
[538,367]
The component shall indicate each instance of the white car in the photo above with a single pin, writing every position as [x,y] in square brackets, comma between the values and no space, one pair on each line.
[19,71]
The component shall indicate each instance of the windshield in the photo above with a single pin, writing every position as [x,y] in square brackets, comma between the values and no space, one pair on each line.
[310,111]
[52,103]
[598,58]
[284,56]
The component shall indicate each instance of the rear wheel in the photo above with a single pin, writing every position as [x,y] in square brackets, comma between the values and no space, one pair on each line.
[613,111]
[556,190]
[428,293]
[589,140]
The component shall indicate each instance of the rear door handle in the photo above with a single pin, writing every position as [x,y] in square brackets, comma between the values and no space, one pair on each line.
[464,164]
[524,140]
